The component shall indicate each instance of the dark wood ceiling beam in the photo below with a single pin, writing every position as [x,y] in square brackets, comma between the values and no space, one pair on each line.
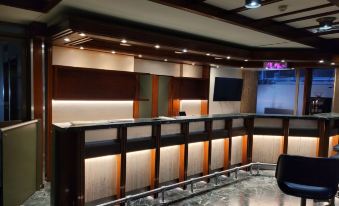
[298,11]
[335,2]
[33,5]
[268,27]
[311,17]
[264,3]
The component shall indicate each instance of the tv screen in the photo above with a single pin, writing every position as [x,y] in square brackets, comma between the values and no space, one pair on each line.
[227,89]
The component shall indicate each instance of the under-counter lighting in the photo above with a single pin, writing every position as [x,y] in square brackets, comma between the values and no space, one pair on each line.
[178,52]
[193,63]
[321,61]
[241,67]
[157,46]
[82,34]
[124,44]
[67,39]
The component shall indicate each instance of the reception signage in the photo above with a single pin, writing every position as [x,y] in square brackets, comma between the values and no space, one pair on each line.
[275,65]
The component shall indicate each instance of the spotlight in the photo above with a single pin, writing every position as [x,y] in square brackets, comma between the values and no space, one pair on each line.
[252,4]
[326,23]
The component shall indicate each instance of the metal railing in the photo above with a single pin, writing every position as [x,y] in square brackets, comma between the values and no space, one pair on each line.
[191,181]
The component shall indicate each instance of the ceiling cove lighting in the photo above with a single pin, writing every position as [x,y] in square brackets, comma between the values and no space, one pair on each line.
[252,4]
[326,23]
[67,39]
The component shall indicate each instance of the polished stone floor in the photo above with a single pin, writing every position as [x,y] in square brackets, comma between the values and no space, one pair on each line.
[247,190]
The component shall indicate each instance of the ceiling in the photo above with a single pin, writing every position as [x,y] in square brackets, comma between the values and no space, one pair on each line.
[156,14]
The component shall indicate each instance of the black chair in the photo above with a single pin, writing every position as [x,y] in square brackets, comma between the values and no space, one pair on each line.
[307,177]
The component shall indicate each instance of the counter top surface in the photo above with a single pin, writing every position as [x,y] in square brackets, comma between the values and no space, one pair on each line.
[178,119]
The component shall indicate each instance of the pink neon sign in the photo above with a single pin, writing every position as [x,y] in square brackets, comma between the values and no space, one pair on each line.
[275,65]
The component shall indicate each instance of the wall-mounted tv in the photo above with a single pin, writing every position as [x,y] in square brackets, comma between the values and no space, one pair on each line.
[227,89]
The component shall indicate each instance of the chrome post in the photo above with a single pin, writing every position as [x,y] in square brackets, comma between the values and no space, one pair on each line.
[216,180]
[192,189]
[258,169]
[251,169]
[163,196]
[236,174]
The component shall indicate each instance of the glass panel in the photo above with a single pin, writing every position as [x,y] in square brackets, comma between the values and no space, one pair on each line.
[276,92]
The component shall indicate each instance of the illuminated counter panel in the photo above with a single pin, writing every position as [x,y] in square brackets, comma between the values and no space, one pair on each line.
[138,170]
[195,158]
[170,129]
[218,150]
[236,150]
[304,146]
[196,127]
[266,148]
[139,132]
[100,135]
[100,177]
[169,163]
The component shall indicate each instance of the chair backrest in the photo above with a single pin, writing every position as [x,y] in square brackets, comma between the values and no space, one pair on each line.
[311,171]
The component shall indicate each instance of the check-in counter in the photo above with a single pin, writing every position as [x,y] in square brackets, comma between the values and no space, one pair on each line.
[111,159]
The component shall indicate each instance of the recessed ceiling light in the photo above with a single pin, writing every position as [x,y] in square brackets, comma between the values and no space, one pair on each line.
[157,46]
[124,44]
[139,55]
[292,68]
[67,39]
[217,66]
[241,67]
[178,52]
[218,58]
[228,57]
[82,34]
[246,60]
[252,4]
[208,54]
[321,61]
[124,41]
[113,52]
[333,63]
[193,63]
[326,23]
[283,61]
[184,50]
[165,60]
[81,47]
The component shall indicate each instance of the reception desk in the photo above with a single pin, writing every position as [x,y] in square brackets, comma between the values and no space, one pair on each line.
[98,161]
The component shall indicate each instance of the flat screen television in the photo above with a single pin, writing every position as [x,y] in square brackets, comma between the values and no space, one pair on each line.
[227,89]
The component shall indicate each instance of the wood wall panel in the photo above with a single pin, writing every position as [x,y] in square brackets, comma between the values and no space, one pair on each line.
[190,88]
[73,83]
[249,92]
[335,105]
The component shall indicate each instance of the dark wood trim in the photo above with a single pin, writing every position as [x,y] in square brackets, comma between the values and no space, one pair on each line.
[335,2]
[156,135]
[155,91]
[310,17]
[297,11]
[324,137]
[184,153]
[49,93]
[36,5]
[122,132]
[228,154]
[286,125]
[208,148]
[249,124]
[307,90]
[270,27]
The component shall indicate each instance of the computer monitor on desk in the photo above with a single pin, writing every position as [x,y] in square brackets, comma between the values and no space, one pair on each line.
[182,113]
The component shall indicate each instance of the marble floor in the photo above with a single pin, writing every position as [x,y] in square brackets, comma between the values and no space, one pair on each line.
[247,190]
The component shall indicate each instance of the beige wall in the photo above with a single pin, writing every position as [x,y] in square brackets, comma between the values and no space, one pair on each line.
[157,67]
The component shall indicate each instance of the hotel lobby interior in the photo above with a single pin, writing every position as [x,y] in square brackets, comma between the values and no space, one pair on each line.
[169,102]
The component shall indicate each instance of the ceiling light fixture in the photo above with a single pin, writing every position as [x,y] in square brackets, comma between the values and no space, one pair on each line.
[67,39]
[228,57]
[184,50]
[283,61]
[140,56]
[165,60]
[113,52]
[333,63]
[246,60]
[208,54]
[252,4]
[81,47]
[321,61]
[178,52]
[326,23]
[217,58]
[157,46]
[82,34]
[124,41]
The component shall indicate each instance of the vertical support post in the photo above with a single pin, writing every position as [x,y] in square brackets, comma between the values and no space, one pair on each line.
[184,152]
[249,123]
[307,91]
[324,137]
[155,90]
[122,135]
[286,128]
[228,142]
[156,133]
[208,148]
[80,166]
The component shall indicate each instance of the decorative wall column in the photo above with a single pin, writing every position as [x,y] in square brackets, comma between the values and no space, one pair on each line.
[249,92]
[335,103]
